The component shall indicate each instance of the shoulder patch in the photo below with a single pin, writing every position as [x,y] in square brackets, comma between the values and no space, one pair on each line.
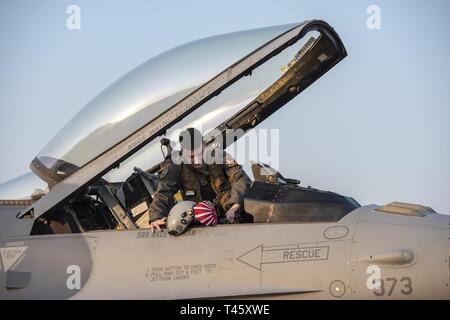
[163,173]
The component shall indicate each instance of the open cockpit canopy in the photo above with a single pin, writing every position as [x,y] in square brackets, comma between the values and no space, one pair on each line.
[231,81]
[154,87]
[142,94]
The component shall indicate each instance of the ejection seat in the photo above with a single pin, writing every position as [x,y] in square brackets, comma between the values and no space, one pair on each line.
[136,194]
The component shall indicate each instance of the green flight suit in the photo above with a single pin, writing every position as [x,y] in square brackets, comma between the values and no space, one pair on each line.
[224,183]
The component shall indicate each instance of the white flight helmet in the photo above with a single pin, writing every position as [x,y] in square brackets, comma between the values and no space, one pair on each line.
[180,217]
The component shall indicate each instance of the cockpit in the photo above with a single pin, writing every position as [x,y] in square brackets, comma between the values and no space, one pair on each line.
[120,206]
[102,167]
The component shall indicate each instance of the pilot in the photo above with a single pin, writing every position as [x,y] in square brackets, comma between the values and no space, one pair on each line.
[222,182]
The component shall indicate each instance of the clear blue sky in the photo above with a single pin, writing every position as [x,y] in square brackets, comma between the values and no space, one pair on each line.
[376,127]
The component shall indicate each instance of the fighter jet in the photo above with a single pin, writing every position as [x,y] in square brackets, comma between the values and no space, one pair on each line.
[71,229]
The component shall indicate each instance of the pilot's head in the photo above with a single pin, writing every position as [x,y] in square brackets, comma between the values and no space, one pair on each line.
[191,141]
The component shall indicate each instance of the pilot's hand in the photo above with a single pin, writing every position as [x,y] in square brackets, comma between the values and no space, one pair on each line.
[157,223]
[231,213]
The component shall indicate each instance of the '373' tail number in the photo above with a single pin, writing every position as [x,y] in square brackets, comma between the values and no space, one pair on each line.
[388,285]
